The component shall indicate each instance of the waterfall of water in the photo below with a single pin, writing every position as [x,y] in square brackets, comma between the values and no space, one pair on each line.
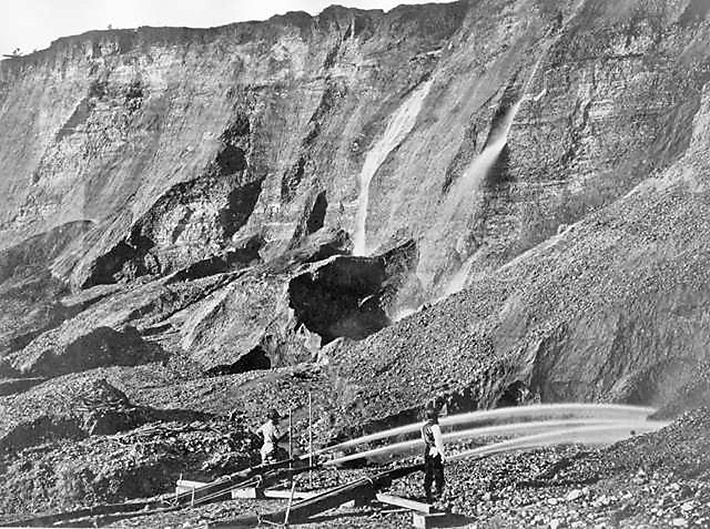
[484,161]
[469,183]
[460,278]
[401,124]
[478,169]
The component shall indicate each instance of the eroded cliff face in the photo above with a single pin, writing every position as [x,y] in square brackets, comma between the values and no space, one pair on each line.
[174,141]
[204,176]
[612,309]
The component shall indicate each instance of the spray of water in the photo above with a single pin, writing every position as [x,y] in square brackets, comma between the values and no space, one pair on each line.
[589,435]
[403,313]
[460,278]
[528,413]
[399,126]
[488,431]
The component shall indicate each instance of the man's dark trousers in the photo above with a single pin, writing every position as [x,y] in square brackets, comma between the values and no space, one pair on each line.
[433,472]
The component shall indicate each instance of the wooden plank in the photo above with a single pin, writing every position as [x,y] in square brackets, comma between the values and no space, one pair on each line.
[190,492]
[187,486]
[427,521]
[221,488]
[184,485]
[412,505]
[286,494]
[249,493]
[302,510]
[186,489]
[188,483]
[254,493]
[325,501]
[48,520]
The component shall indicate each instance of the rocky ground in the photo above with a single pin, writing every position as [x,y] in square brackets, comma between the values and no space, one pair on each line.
[661,479]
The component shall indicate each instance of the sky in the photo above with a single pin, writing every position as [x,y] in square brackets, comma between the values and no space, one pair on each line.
[33,24]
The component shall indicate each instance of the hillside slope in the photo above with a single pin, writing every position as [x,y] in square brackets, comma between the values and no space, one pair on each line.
[615,308]
[265,194]
[483,203]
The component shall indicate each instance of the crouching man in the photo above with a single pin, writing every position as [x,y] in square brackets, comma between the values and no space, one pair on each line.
[434,456]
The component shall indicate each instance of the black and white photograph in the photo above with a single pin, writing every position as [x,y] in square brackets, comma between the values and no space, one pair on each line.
[351,264]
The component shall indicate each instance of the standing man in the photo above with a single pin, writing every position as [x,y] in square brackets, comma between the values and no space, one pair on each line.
[433,455]
[272,437]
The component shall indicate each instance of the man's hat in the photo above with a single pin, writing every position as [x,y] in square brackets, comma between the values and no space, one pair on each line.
[431,413]
[273,414]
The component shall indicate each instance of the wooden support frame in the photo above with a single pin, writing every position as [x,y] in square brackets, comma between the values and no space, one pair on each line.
[186,485]
[427,521]
[327,500]
[406,503]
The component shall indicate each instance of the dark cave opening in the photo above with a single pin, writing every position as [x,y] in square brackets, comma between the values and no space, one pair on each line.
[342,298]
[254,360]
[231,160]
[513,395]
[316,220]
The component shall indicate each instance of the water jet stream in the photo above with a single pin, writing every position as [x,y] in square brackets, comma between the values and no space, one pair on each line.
[486,431]
[589,435]
[401,124]
[537,411]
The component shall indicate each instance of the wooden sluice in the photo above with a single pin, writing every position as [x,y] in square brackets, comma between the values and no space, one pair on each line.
[261,476]
[362,489]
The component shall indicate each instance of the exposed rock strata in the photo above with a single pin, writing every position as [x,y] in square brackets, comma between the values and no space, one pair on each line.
[611,309]
[168,144]
[202,187]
